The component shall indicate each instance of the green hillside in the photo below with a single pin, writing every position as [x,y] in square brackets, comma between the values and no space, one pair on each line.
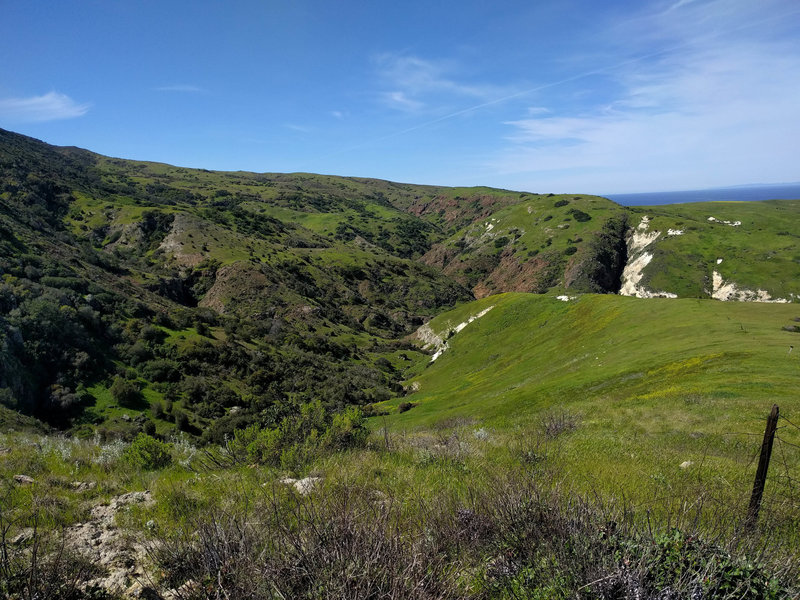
[650,384]
[752,246]
[220,298]
[211,292]
[539,243]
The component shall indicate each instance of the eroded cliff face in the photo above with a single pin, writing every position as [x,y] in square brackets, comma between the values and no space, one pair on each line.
[640,240]
[671,256]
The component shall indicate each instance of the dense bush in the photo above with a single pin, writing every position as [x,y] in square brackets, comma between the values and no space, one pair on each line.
[148,453]
[580,216]
[299,437]
[125,392]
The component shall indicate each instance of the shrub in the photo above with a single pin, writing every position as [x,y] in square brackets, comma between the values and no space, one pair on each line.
[181,420]
[512,538]
[158,410]
[558,422]
[347,430]
[163,319]
[405,406]
[299,438]
[147,453]
[581,216]
[370,410]
[342,546]
[125,393]
[562,202]
[161,370]
[256,445]
[139,353]
[7,398]
[152,334]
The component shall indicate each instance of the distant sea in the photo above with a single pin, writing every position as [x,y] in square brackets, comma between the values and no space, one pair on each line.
[742,193]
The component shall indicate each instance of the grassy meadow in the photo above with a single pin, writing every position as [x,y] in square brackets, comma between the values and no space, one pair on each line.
[641,387]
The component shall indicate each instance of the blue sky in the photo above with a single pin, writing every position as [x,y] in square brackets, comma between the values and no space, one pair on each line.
[548,96]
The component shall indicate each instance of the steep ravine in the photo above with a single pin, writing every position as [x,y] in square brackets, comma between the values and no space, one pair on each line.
[601,267]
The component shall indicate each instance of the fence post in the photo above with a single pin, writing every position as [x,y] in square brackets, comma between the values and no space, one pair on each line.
[763,465]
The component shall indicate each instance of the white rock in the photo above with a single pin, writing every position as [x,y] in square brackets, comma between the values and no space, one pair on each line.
[303,486]
[82,486]
[24,536]
[113,550]
[638,259]
[641,237]
[430,339]
[731,223]
[727,291]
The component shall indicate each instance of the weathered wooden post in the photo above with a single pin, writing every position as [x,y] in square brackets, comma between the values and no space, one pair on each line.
[763,465]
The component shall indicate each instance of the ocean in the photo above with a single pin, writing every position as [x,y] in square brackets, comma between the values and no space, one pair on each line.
[742,193]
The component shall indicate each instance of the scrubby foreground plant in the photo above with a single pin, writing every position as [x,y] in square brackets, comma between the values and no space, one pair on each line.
[511,539]
[408,518]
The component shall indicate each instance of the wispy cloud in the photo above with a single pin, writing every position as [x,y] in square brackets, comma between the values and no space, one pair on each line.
[718,106]
[400,100]
[679,4]
[538,110]
[48,107]
[299,128]
[415,83]
[181,88]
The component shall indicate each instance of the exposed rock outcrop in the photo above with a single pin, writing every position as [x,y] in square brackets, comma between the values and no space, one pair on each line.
[639,257]
[119,553]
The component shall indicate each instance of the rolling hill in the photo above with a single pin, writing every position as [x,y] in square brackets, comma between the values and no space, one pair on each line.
[648,385]
[466,395]
[219,299]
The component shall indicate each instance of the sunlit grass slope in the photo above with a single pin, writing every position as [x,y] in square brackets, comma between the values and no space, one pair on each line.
[651,383]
